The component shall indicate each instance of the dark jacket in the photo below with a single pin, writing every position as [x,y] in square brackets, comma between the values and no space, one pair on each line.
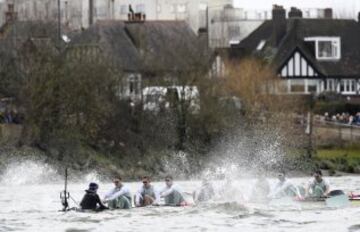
[91,200]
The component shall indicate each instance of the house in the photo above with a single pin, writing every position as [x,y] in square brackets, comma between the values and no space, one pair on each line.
[144,53]
[21,40]
[310,55]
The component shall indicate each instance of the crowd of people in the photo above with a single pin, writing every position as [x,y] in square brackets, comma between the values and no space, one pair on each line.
[345,118]
[119,197]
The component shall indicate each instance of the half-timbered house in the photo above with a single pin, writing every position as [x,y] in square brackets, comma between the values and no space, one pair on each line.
[312,56]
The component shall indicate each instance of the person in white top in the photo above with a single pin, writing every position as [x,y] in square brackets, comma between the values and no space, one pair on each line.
[147,194]
[119,197]
[284,188]
[317,187]
[172,193]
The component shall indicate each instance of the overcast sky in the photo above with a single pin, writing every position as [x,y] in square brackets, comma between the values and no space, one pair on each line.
[341,7]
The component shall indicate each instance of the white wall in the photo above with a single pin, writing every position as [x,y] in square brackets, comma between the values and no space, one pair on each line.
[342,8]
[189,10]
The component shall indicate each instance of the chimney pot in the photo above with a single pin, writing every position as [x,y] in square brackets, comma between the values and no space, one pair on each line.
[328,13]
[279,23]
[10,15]
[295,13]
[91,12]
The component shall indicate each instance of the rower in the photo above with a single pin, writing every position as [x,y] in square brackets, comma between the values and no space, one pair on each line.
[261,189]
[284,188]
[119,197]
[147,194]
[91,199]
[205,193]
[172,193]
[318,187]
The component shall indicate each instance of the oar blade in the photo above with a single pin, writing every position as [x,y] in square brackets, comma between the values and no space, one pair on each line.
[338,201]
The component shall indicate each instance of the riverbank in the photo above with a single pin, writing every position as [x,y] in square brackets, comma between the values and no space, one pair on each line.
[339,159]
[85,160]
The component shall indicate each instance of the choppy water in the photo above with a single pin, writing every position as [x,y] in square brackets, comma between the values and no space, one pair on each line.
[35,208]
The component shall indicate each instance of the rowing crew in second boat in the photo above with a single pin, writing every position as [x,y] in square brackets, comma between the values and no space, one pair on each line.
[120,198]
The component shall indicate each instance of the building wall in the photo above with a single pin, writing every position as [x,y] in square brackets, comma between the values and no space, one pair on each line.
[192,11]
[2,13]
[225,24]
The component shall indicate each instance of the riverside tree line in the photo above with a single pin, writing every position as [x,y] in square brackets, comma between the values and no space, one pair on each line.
[74,113]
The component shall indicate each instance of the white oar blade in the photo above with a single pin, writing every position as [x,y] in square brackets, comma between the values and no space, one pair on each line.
[338,201]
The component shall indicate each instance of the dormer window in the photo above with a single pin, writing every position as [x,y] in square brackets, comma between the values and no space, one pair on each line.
[261,45]
[326,48]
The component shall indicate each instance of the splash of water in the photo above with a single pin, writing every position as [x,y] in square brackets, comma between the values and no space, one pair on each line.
[28,172]
[177,164]
[92,177]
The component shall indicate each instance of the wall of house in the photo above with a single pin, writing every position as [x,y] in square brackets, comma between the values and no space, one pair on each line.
[192,11]
[2,13]
[223,34]
[345,87]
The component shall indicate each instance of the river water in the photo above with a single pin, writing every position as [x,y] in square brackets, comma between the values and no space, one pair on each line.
[34,207]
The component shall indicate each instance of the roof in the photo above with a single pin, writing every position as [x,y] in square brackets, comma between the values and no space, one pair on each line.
[14,35]
[300,28]
[146,46]
[165,45]
[113,41]
[19,31]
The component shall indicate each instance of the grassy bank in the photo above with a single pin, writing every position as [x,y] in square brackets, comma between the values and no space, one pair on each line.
[345,159]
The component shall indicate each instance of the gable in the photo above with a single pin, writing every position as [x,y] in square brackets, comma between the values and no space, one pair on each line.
[297,65]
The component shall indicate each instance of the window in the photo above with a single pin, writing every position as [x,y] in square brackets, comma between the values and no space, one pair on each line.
[134,82]
[312,86]
[342,86]
[140,8]
[326,48]
[203,6]
[265,15]
[218,67]
[261,45]
[172,9]
[329,85]
[348,86]
[181,8]
[352,86]
[101,12]
[233,32]
[297,86]
[123,9]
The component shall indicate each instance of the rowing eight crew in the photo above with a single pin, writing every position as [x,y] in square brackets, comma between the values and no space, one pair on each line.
[120,198]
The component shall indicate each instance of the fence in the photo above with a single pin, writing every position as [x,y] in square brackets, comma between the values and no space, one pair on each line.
[328,132]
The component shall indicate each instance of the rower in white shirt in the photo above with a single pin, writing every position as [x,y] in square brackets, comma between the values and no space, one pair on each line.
[119,197]
[172,193]
[284,188]
[147,194]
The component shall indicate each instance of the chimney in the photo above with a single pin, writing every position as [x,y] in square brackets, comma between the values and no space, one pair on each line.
[295,13]
[279,24]
[111,9]
[203,35]
[91,12]
[10,14]
[359,17]
[135,17]
[328,13]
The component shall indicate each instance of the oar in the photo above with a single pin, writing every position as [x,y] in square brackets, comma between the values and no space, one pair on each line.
[337,199]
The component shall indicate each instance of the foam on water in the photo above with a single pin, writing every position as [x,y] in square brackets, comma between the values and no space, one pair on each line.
[37,210]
